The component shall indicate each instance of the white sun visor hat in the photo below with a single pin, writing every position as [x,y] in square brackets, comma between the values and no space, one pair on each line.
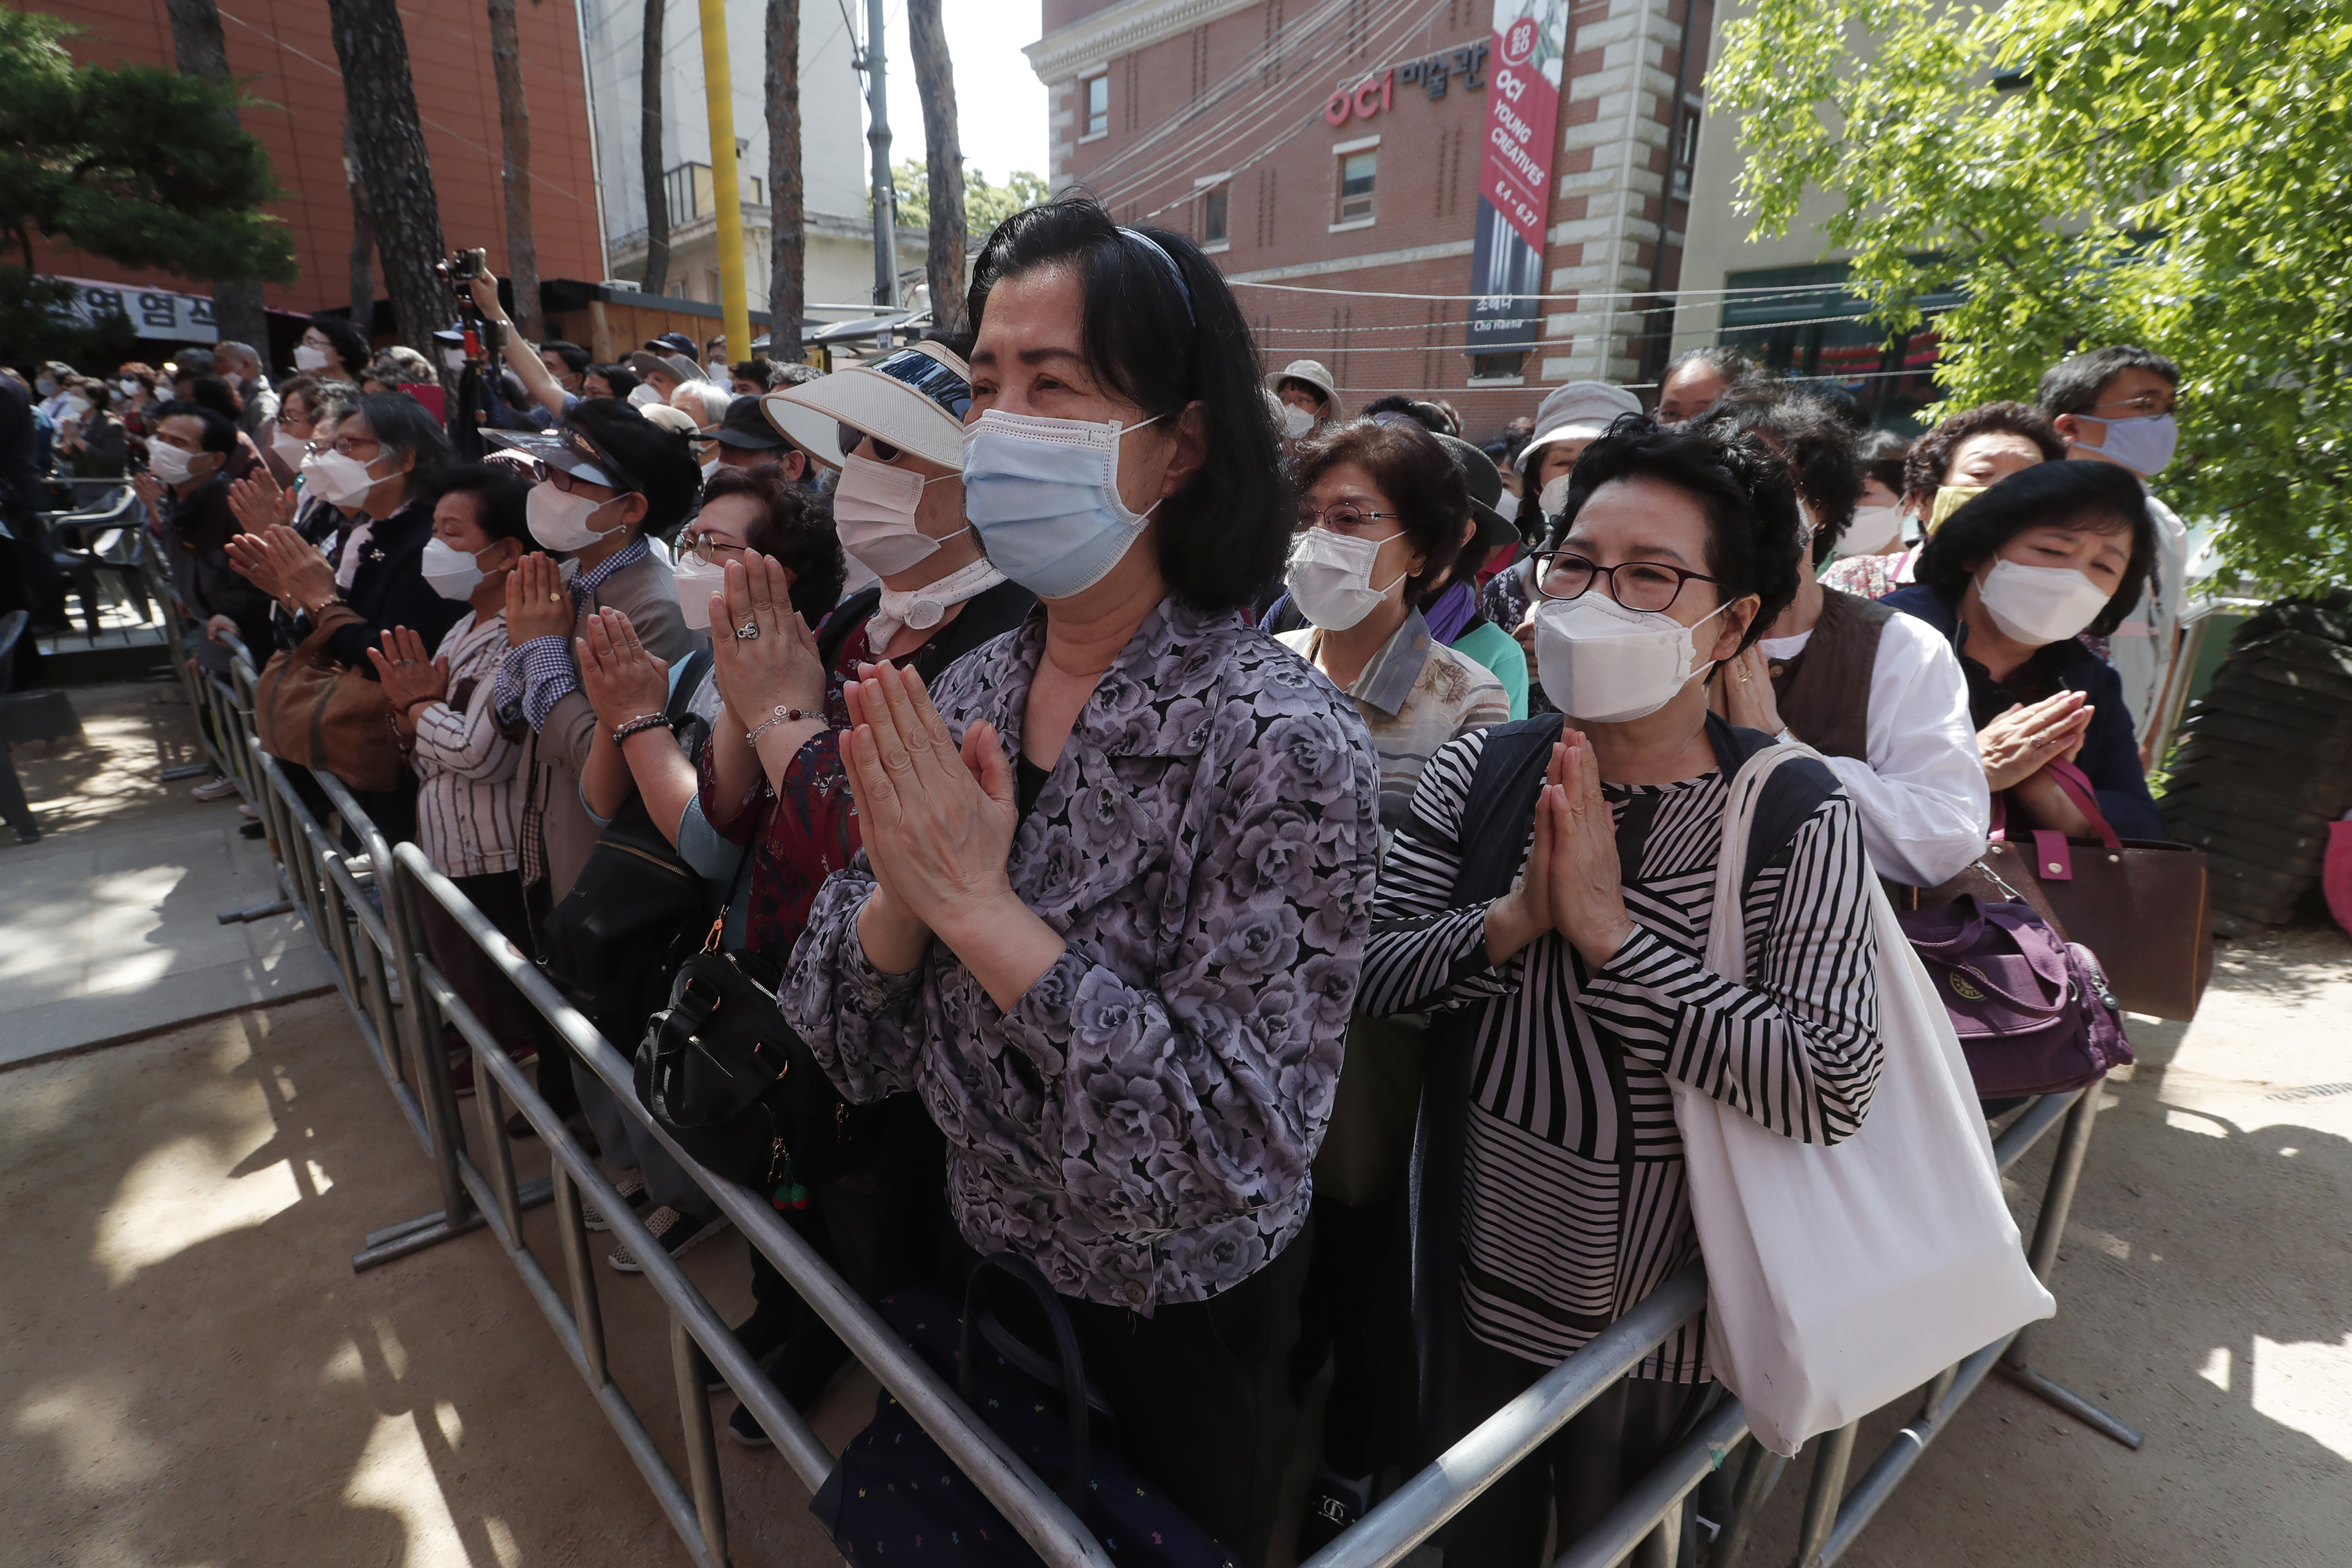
[913,399]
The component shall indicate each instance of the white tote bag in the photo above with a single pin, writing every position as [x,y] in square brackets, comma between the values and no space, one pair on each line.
[1839,1278]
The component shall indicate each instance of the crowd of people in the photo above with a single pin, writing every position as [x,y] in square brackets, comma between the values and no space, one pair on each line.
[1097,736]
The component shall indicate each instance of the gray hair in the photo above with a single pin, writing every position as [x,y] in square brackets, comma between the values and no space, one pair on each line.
[242,352]
[405,424]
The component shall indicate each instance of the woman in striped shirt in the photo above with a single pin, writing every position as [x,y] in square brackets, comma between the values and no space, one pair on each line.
[1580,995]
[467,810]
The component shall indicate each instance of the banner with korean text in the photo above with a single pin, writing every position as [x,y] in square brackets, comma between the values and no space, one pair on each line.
[1515,176]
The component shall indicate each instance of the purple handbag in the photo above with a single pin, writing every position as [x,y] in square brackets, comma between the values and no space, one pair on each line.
[2034,1014]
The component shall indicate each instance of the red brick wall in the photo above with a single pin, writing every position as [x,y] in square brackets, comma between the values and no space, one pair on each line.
[1285,199]
[284,52]
[1283,204]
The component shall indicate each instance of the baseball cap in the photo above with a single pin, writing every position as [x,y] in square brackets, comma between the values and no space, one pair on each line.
[746,426]
[914,400]
[605,442]
[673,343]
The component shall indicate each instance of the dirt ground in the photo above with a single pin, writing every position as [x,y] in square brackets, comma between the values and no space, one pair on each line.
[191,1374]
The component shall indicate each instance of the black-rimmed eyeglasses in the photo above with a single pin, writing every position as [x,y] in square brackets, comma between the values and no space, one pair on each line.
[1650,585]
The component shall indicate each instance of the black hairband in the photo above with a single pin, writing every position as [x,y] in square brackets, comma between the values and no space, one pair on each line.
[1168,262]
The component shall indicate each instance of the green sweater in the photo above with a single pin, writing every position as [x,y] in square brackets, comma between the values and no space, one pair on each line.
[1495,648]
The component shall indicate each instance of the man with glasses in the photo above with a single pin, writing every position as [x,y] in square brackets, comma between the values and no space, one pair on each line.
[2117,405]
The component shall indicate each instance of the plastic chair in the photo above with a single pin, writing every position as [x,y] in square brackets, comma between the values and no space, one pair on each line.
[99,544]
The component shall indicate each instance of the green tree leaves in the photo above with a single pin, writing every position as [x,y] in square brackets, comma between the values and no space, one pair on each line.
[984,205]
[141,166]
[2170,174]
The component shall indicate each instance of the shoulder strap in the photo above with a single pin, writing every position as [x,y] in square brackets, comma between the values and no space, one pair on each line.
[1510,777]
[843,623]
[983,617]
[689,676]
[1793,792]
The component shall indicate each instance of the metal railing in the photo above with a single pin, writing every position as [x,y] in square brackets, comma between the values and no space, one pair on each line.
[357,894]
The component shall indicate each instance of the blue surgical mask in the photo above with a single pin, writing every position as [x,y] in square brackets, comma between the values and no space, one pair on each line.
[1044,496]
[2144,445]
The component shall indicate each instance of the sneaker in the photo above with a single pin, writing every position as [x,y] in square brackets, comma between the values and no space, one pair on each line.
[677,1232]
[745,1428]
[28,834]
[245,809]
[218,788]
[630,1186]
[252,831]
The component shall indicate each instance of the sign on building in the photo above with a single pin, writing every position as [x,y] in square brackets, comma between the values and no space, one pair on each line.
[152,312]
[1514,175]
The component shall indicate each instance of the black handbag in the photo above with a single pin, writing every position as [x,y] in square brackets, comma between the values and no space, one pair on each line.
[734,1084]
[897,1499]
[637,909]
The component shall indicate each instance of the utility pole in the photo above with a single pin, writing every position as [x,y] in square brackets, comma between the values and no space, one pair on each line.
[877,135]
[718,89]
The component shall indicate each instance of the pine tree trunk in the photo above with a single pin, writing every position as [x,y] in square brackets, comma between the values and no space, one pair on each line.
[649,153]
[389,149]
[199,50]
[943,155]
[514,138]
[363,237]
[787,202]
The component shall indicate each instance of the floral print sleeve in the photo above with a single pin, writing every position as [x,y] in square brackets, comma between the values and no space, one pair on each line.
[1141,1123]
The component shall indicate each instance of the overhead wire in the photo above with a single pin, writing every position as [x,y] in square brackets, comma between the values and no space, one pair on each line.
[1229,129]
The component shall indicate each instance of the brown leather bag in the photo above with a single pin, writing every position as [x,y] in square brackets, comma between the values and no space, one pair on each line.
[2141,904]
[311,710]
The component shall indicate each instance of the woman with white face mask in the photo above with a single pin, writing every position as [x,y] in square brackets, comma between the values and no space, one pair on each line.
[1380,519]
[376,468]
[1878,692]
[775,777]
[1573,1005]
[2011,580]
[1115,878]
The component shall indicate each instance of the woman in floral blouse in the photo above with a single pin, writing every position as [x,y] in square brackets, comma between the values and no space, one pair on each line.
[1117,870]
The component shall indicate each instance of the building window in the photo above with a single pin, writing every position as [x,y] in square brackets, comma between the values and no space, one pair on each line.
[1357,172]
[1495,367]
[1215,210]
[1095,90]
[689,191]
[1686,154]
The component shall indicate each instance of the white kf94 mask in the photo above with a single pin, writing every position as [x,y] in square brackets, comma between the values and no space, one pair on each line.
[1604,664]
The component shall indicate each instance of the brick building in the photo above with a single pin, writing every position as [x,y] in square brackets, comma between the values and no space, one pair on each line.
[282,52]
[1331,156]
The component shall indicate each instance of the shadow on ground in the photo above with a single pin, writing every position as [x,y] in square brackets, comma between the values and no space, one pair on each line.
[2205,1296]
[192,1374]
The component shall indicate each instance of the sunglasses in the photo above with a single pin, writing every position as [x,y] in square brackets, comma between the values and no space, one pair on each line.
[849,436]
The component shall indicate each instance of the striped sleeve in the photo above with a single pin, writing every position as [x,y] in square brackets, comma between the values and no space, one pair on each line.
[1797,1049]
[1423,954]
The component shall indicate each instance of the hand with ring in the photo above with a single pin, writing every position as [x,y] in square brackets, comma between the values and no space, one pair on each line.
[1743,693]
[407,675]
[537,605]
[770,659]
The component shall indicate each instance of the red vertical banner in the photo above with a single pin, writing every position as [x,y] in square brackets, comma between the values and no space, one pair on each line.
[1515,177]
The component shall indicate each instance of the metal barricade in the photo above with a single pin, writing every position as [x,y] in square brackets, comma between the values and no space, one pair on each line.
[355,901]
[1651,1520]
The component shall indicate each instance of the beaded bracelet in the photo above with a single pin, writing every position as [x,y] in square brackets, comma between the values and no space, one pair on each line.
[638,725]
[781,716]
